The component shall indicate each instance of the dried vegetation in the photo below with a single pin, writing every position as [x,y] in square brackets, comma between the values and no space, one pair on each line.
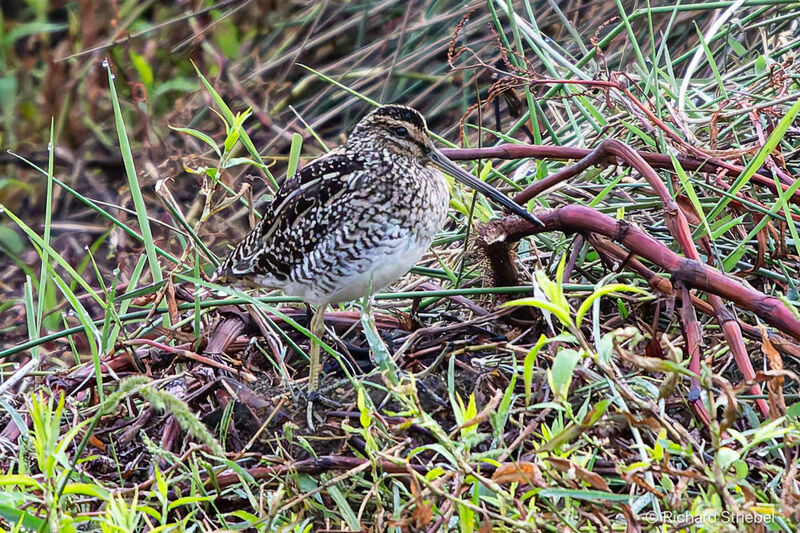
[632,366]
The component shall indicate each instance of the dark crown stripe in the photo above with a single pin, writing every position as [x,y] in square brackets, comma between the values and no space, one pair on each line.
[403,114]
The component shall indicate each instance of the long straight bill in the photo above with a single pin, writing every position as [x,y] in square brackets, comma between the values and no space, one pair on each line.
[441,161]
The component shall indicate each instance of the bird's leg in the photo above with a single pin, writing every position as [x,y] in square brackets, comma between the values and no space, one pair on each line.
[378,352]
[318,330]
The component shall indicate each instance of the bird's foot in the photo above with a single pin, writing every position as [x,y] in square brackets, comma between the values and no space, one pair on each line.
[319,397]
[310,416]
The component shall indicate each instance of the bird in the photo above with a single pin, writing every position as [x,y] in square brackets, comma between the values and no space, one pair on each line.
[354,220]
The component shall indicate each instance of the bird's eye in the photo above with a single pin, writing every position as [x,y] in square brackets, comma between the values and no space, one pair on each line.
[401,131]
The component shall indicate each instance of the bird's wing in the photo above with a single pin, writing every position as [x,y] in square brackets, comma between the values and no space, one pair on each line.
[294,221]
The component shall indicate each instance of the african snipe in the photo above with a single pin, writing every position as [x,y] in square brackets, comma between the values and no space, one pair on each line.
[355,219]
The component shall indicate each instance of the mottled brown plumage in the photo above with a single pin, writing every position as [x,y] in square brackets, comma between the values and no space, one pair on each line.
[355,219]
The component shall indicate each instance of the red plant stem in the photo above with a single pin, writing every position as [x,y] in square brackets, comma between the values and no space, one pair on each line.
[521,151]
[781,343]
[693,336]
[614,83]
[733,335]
[581,219]
[663,285]
[656,282]
[679,228]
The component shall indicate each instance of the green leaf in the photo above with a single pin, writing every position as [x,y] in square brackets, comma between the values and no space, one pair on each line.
[29,28]
[308,483]
[11,182]
[231,119]
[559,376]
[741,468]
[730,262]
[672,447]
[468,413]
[46,291]
[344,507]
[599,293]
[226,36]
[587,495]
[199,135]
[559,312]
[466,518]
[726,456]
[500,417]
[133,181]
[186,500]
[8,88]
[793,411]
[143,69]
[161,483]
[88,489]
[183,85]
[528,365]
[93,336]
[231,140]
[364,415]
[11,241]
[28,521]
[236,161]
[760,65]
[19,480]
[721,226]
[622,309]
[737,47]
[599,410]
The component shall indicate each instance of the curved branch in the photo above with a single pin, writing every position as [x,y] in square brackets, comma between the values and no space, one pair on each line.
[581,219]
[520,151]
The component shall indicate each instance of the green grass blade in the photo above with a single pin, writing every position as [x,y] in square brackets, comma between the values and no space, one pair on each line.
[230,118]
[95,207]
[93,336]
[133,179]
[690,192]
[48,217]
[758,161]
[39,242]
[294,155]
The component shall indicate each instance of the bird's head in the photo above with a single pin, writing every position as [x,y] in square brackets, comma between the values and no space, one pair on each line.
[397,130]
[401,131]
